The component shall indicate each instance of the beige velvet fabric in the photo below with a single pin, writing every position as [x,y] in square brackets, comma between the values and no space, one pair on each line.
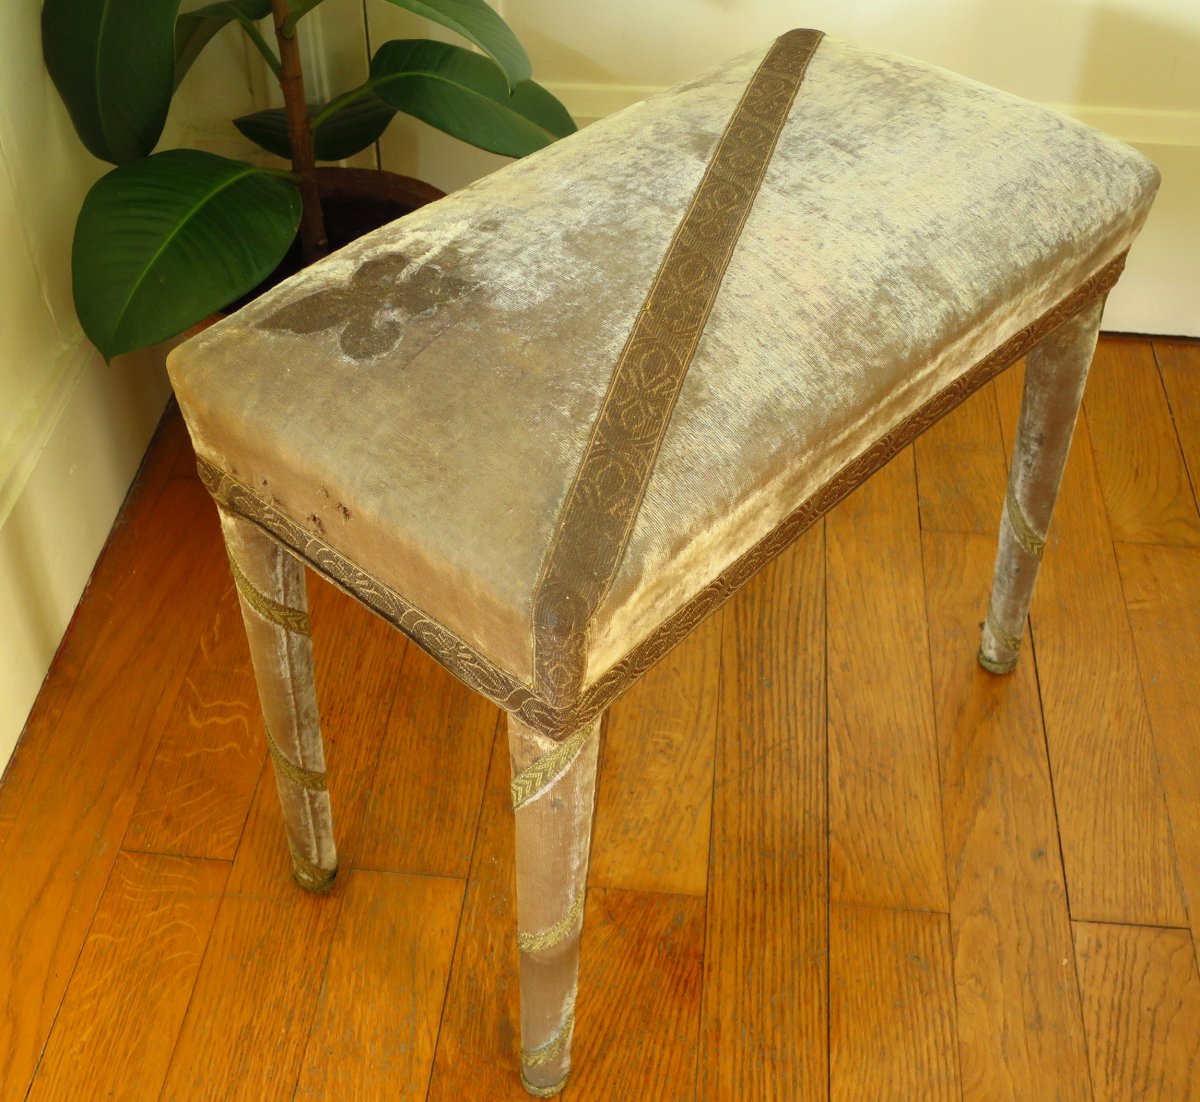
[283,670]
[422,399]
[1055,377]
[553,842]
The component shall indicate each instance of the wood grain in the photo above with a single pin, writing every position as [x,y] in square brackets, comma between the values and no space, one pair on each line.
[127,996]
[59,852]
[271,938]
[764,1024]
[1162,594]
[1112,818]
[885,834]
[128,553]
[376,1023]
[1179,366]
[425,809]
[1138,461]
[255,996]
[1020,1027]
[959,482]
[654,798]
[639,998]
[196,797]
[1141,1004]
[891,1006]
[478,1052]
[130,689]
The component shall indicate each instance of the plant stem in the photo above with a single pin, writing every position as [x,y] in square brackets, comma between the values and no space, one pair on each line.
[260,44]
[313,243]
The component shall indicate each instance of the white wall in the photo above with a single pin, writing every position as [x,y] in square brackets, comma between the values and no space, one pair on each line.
[1130,67]
[72,429]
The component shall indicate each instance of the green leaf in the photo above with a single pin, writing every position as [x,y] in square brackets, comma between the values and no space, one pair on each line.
[465,94]
[477,22]
[112,62]
[163,242]
[340,129]
[533,101]
[195,29]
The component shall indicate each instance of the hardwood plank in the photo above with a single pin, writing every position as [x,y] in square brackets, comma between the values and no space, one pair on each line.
[245,1030]
[638,991]
[271,938]
[377,1018]
[959,483]
[885,833]
[197,795]
[1020,1026]
[764,1021]
[891,1006]
[654,802]
[128,553]
[1019,1018]
[1141,1005]
[432,771]
[1162,594]
[1138,461]
[130,989]
[59,852]
[1179,366]
[479,1045]
[639,999]
[1113,825]
[200,787]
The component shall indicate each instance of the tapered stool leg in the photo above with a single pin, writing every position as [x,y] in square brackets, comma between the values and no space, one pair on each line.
[270,585]
[1055,374]
[553,793]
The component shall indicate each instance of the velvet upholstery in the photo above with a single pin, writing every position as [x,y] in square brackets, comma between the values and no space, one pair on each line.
[420,401]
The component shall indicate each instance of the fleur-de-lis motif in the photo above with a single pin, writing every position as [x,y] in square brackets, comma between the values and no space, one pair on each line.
[372,310]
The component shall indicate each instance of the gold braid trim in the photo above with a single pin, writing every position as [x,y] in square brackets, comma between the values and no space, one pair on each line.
[545,1092]
[312,878]
[548,768]
[536,1057]
[1021,528]
[311,779]
[553,719]
[992,666]
[1012,642]
[290,619]
[598,515]
[552,935]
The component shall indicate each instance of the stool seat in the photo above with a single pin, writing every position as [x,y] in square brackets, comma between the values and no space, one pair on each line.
[546,425]
[420,403]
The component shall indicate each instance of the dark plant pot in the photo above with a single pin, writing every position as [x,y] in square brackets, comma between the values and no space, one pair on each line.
[354,201]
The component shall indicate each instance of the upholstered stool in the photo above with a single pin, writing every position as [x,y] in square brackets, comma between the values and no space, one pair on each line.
[548,424]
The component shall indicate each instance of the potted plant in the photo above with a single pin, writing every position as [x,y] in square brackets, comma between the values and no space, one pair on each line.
[167,238]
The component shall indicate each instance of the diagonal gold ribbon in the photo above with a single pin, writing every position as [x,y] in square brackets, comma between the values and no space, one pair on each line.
[309,876]
[602,504]
[536,1057]
[1021,528]
[545,1092]
[291,619]
[311,779]
[553,935]
[538,775]
[1010,641]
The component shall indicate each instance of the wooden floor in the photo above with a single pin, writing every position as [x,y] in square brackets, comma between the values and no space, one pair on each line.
[833,859]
